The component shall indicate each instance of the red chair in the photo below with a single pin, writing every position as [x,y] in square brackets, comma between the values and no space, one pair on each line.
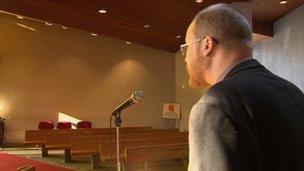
[46,124]
[84,124]
[64,125]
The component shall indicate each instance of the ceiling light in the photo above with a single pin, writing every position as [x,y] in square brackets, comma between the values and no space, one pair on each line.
[19,17]
[94,34]
[283,2]
[64,27]
[48,24]
[178,36]
[26,27]
[102,11]
[199,1]
[128,43]
[146,26]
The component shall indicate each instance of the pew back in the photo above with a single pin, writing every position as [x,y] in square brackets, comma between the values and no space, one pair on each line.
[82,145]
[156,152]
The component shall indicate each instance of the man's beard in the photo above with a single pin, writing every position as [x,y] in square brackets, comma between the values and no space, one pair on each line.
[196,74]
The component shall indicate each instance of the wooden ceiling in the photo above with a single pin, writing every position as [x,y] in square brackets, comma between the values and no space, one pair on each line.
[272,10]
[125,18]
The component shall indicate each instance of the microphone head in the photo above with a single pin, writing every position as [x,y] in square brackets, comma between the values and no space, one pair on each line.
[137,96]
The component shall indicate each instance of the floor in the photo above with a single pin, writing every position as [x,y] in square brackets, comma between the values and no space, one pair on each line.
[83,163]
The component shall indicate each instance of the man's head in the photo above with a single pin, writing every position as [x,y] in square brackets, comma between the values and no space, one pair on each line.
[215,33]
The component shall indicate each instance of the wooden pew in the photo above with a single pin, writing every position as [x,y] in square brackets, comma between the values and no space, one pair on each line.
[164,130]
[159,133]
[156,152]
[59,141]
[35,137]
[137,136]
[169,135]
[124,136]
[122,129]
[62,141]
[108,147]
[135,155]
[87,145]
[38,137]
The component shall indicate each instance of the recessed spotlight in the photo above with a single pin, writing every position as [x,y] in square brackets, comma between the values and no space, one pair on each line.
[178,36]
[20,17]
[283,2]
[64,27]
[26,27]
[94,34]
[102,11]
[146,26]
[48,24]
[199,1]
[128,43]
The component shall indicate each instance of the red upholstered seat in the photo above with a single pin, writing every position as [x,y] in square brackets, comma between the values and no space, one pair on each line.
[84,124]
[46,124]
[64,125]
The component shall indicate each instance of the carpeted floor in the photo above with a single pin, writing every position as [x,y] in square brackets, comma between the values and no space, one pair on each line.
[83,163]
[9,162]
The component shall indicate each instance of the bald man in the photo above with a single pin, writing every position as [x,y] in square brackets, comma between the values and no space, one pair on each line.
[249,119]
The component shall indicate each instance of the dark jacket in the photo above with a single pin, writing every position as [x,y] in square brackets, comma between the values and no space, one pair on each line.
[252,120]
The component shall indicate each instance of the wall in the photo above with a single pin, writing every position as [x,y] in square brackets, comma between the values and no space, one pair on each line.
[53,70]
[284,53]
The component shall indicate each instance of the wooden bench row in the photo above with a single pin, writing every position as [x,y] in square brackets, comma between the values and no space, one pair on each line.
[101,143]
[145,154]
[142,135]
[156,152]
[108,148]
[131,151]
[38,137]
[67,140]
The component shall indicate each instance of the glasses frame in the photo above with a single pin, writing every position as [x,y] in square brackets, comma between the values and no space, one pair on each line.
[183,47]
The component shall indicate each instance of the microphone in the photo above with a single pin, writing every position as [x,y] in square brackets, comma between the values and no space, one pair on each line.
[136,97]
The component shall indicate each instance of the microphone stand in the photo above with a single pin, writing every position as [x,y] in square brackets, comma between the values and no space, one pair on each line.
[118,124]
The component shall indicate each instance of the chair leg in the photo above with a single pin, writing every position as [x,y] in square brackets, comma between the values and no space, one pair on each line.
[95,161]
[67,155]
[124,166]
[145,165]
[44,151]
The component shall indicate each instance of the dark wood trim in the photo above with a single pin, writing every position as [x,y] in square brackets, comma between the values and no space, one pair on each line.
[263,28]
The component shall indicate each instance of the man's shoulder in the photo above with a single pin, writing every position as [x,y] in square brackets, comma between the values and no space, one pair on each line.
[219,90]
[215,94]
[250,85]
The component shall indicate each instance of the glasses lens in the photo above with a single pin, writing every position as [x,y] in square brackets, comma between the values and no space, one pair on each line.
[183,50]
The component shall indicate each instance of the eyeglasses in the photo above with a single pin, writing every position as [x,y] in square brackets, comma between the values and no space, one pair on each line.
[184,47]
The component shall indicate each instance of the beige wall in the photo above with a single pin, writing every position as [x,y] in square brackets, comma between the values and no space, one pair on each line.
[53,70]
[284,53]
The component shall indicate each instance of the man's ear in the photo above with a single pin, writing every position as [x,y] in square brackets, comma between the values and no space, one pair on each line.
[207,46]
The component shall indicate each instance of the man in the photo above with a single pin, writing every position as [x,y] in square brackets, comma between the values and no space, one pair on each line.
[249,119]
